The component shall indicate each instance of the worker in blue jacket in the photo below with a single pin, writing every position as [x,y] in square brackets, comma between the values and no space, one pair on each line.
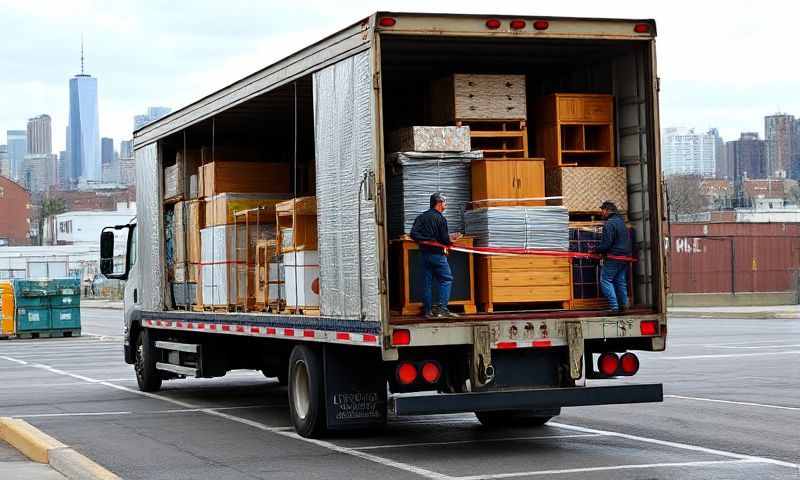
[431,226]
[615,242]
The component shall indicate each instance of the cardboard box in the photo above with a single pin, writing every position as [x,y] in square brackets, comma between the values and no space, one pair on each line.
[220,208]
[244,177]
[430,139]
[585,188]
[302,279]
[173,180]
[187,224]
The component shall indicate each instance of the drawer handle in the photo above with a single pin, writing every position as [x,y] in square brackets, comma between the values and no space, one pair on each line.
[472,107]
[510,97]
[471,95]
[470,83]
[509,84]
[509,108]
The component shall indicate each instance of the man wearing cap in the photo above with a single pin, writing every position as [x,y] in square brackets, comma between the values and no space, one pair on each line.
[431,226]
[615,242]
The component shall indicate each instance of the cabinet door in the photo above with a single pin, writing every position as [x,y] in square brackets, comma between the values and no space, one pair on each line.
[493,179]
[570,109]
[530,179]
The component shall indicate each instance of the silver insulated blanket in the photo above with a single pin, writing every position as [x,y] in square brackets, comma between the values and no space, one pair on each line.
[416,175]
[519,227]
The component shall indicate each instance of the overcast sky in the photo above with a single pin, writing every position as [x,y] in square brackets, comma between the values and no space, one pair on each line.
[723,66]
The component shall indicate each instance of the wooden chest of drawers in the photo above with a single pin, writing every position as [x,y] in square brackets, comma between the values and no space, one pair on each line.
[464,96]
[520,280]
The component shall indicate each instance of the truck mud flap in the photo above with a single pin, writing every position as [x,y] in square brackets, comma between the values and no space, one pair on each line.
[526,399]
[355,388]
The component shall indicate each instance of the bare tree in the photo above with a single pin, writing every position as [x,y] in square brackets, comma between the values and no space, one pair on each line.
[685,195]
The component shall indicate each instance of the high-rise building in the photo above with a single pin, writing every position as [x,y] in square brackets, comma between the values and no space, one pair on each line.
[780,135]
[5,165]
[107,150]
[39,171]
[126,149]
[84,129]
[63,178]
[127,171]
[685,152]
[153,114]
[40,136]
[17,148]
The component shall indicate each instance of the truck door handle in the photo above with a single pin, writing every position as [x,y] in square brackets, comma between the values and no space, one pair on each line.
[135,296]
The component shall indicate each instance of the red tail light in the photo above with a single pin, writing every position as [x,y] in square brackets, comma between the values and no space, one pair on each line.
[387,22]
[642,28]
[406,373]
[431,372]
[517,24]
[493,24]
[541,25]
[629,363]
[608,363]
[401,337]
[648,327]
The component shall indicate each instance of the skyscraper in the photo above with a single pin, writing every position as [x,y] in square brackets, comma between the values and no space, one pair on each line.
[685,152]
[153,114]
[17,147]
[746,157]
[5,165]
[779,132]
[84,129]
[63,179]
[40,136]
[107,149]
[126,149]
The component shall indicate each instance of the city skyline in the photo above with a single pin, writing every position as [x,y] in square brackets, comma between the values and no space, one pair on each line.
[145,56]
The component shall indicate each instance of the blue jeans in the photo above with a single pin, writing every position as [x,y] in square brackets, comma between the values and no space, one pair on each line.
[613,283]
[434,265]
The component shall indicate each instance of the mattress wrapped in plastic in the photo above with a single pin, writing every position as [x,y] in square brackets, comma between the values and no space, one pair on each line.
[519,227]
[416,175]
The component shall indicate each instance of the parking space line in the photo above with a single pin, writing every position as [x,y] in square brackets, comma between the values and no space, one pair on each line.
[14,360]
[176,410]
[606,468]
[683,446]
[725,355]
[463,442]
[749,404]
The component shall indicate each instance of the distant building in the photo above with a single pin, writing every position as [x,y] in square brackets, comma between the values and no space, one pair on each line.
[63,179]
[153,114]
[126,149]
[104,199]
[5,164]
[82,228]
[107,150]
[15,221]
[780,136]
[17,148]
[685,152]
[84,131]
[110,162]
[40,135]
[745,158]
[127,171]
[39,172]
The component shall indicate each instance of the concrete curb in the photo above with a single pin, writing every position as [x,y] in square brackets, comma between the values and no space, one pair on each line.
[42,448]
[737,315]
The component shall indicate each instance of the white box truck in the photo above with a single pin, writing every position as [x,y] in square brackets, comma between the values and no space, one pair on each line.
[325,111]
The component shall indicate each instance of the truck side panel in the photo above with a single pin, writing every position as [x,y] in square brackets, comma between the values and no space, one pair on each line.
[150,257]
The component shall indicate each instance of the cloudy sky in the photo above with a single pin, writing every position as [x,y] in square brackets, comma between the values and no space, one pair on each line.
[721,66]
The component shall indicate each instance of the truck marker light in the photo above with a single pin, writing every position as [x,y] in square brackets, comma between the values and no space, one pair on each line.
[431,372]
[541,25]
[308,333]
[648,327]
[255,330]
[506,345]
[517,24]
[401,337]
[608,363]
[406,373]
[342,336]
[387,22]
[288,332]
[629,363]
[641,28]
[543,343]
[493,24]
[370,338]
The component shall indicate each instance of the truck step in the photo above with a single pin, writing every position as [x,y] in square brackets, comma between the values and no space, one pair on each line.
[179,369]
[180,347]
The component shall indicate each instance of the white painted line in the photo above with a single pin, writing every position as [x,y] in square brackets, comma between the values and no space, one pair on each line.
[77,414]
[756,347]
[725,355]
[749,404]
[21,362]
[683,446]
[463,442]
[177,410]
[607,468]
[750,342]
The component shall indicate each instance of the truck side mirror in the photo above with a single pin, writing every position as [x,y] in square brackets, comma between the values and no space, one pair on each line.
[119,267]
[107,252]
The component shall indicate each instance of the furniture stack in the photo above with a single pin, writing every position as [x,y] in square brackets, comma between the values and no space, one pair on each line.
[270,292]
[296,221]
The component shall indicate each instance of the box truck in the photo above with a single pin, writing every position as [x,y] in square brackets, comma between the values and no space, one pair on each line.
[319,125]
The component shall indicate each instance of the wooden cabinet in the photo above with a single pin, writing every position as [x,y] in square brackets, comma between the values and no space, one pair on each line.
[296,221]
[576,130]
[523,280]
[503,182]
[463,96]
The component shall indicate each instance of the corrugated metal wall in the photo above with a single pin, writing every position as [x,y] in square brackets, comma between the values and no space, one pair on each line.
[734,257]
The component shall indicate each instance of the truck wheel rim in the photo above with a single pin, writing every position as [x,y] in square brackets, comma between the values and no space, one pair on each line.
[139,366]
[300,391]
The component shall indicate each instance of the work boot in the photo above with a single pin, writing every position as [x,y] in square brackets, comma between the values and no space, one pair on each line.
[444,312]
[434,313]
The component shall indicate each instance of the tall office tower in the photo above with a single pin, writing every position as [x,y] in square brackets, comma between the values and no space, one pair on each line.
[779,133]
[126,149]
[40,136]
[153,114]
[84,130]
[64,180]
[5,165]
[17,148]
[107,150]
[39,171]
[685,152]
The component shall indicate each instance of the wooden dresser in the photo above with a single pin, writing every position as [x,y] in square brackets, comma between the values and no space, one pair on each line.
[522,279]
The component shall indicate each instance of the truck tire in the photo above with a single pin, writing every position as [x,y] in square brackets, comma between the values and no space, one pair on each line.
[148,378]
[516,418]
[306,392]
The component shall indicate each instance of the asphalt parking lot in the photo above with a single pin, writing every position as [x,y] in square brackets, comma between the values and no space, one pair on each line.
[732,411]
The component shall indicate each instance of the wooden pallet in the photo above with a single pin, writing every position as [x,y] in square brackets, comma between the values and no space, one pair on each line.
[498,138]
[300,310]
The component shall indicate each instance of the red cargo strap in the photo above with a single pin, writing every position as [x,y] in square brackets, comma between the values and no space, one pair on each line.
[513,252]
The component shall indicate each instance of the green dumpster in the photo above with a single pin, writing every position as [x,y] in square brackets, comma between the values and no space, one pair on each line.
[33,319]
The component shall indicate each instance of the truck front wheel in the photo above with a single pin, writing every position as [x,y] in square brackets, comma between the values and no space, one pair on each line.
[148,378]
[306,392]
[516,418]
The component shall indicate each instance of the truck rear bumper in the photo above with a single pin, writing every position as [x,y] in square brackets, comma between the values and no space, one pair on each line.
[544,398]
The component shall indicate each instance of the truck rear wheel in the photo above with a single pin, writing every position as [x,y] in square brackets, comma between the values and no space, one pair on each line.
[516,418]
[306,392]
[148,378]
